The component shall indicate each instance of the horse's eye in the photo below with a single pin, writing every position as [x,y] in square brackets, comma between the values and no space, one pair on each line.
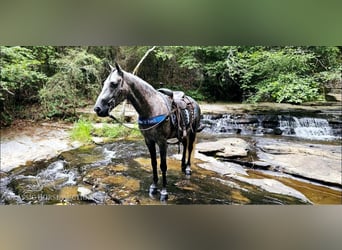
[114,84]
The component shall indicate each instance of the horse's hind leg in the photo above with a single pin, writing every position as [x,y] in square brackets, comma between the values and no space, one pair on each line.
[163,168]
[152,148]
[185,144]
[192,137]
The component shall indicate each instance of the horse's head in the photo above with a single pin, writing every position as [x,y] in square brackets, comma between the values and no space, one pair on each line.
[113,92]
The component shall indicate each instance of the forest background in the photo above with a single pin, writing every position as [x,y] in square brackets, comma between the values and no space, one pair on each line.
[39,82]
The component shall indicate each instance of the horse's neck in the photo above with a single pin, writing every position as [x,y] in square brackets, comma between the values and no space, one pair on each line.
[143,96]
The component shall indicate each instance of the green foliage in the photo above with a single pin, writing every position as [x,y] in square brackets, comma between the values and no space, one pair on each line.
[212,71]
[112,131]
[196,94]
[20,79]
[280,74]
[19,69]
[77,79]
[117,131]
[163,53]
[81,130]
[61,79]
[287,88]
[256,73]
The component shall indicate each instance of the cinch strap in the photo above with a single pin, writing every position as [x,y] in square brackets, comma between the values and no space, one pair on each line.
[152,120]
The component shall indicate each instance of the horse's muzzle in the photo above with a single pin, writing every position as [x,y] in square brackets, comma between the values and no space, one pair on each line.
[101,111]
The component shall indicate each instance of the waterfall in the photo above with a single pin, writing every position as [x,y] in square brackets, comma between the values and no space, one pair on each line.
[312,128]
[286,125]
[306,127]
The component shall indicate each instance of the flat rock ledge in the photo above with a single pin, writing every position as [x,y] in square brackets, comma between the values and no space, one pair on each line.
[226,148]
[318,163]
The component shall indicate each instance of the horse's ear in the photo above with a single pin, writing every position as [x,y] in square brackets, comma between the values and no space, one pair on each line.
[111,67]
[118,68]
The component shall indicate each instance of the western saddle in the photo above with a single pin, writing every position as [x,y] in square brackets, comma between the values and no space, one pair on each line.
[182,110]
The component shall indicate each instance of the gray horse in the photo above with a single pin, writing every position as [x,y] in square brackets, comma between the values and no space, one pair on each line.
[157,118]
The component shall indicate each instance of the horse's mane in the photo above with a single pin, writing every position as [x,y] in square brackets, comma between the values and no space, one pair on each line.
[136,79]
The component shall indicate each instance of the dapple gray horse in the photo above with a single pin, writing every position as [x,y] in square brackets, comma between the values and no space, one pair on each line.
[155,118]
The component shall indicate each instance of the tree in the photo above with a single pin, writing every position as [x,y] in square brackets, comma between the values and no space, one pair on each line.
[77,79]
[21,78]
[282,74]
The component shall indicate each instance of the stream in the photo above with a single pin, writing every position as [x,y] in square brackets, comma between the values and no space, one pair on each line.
[279,168]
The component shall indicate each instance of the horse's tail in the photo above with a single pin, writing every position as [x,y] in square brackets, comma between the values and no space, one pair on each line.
[197,113]
[200,128]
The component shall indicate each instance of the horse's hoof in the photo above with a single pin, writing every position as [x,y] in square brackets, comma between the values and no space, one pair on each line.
[153,189]
[187,171]
[164,195]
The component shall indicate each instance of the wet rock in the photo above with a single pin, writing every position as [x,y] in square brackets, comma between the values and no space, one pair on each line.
[93,176]
[117,168]
[237,172]
[3,175]
[33,144]
[224,168]
[261,165]
[115,199]
[23,184]
[216,116]
[278,131]
[83,155]
[230,184]
[227,148]
[267,131]
[274,186]
[122,181]
[68,193]
[247,120]
[210,147]
[83,191]
[97,140]
[112,180]
[173,163]
[8,197]
[315,162]
[97,197]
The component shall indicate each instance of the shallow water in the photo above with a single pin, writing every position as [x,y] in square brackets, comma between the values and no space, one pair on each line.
[120,173]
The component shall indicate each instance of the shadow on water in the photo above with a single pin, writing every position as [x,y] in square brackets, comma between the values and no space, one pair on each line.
[120,173]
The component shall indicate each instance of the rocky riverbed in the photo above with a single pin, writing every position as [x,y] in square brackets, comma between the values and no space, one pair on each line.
[28,141]
[40,161]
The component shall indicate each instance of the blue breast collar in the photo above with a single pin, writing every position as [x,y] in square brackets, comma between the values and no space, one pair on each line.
[152,120]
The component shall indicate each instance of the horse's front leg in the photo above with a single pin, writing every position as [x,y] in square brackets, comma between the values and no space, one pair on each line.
[163,168]
[152,148]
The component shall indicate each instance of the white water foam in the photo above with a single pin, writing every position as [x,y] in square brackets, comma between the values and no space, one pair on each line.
[307,128]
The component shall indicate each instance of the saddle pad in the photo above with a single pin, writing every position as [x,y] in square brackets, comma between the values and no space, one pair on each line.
[152,120]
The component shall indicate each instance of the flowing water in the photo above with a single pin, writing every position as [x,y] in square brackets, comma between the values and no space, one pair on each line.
[120,172]
[313,128]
